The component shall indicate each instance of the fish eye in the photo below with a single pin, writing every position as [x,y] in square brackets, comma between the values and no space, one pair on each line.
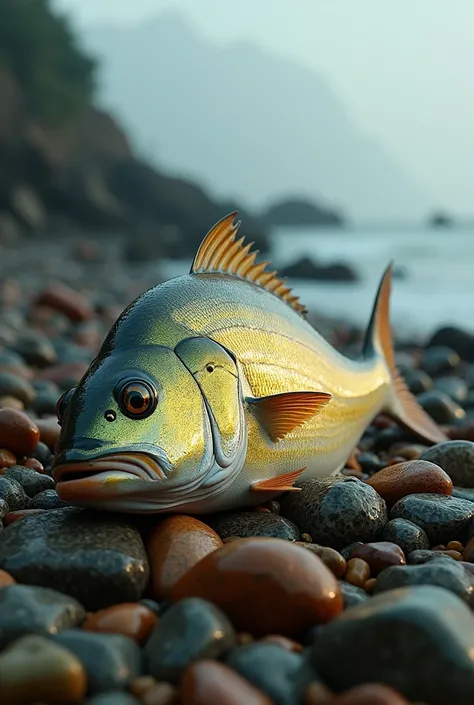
[210,368]
[62,403]
[137,399]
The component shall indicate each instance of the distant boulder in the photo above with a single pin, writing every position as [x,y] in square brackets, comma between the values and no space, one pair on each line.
[441,220]
[306,268]
[300,212]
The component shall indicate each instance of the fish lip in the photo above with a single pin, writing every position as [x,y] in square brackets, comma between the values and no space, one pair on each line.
[140,466]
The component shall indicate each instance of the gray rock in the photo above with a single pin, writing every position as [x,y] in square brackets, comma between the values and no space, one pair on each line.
[454,387]
[351,594]
[405,534]
[113,697]
[12,385]
[336,511]
[13,494]
[281,674]
[94,557]
[442,518]
[444,572]
[417,381]
[419,640]
[47,499]
[440,407]
[464,493]
[189,630]
[457,460]
[111,661]
[244,524]
[36,349]
[25,609]
[32,482]
[424,556]
[438,359]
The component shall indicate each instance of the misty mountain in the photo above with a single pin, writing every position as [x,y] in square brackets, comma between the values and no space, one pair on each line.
[246,124]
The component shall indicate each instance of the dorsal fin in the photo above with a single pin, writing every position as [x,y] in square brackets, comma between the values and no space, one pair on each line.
[221,252]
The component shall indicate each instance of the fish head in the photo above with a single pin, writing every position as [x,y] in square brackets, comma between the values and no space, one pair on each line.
[150,429]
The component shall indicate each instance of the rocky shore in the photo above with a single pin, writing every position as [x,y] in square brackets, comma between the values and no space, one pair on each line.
[358,590]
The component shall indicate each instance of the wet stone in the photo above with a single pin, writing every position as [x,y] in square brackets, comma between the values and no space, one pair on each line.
[411,477]
[131,619]
[398,629]
[17,432]
[47,499]
[113,697]
[454,387]
[464,493]
[190,630]
[12,493]
[442,518]
[439,359]
[97,559]
[417,381]
[424,556]
[440,407]
[351,594]
[369,462]
[457,460]
[336,512]
[209,682]
[32,482]
[443,572]
[26,609]
[379,555]
[110,660]
[245,524]
[36,349]
[12,385]
[281,674]
[45,402]
[405,534]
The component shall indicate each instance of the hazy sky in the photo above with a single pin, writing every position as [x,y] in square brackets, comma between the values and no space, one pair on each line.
[403,67]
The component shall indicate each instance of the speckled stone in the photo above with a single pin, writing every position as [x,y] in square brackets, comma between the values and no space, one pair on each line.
[405,534]
[47,499]
[457,460]
[442,518]
[464,493]
[12,493]
[32,482]
[336,512]
[244,524]
[424,556]
[351,594]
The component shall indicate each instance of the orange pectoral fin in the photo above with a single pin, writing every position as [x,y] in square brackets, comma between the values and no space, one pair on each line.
[282,483]
[280,414]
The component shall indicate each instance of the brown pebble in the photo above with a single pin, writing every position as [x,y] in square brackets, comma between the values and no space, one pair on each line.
[35,464]
[468,552]
[160,694]
[358,572]
[49,431]
[7,459]
[244,638]
[453,554]
[407,452]
[370,694]
[129,618]
[22,514]
[411,477]
[329,556]
[174,547]
[209,682]
[463,432]
[379,555]
[141,684]
[18,433]
[370,584]
[318,694]
[381,421]
[63,298]
[6,579]
[64,371]
[306,538]
[265,586]
[353,464]
[455,546]
[36,670]
[284,642]
[396,460]
[262,510]
[9,402]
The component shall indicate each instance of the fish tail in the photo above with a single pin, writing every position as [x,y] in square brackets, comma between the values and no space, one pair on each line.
[401,403]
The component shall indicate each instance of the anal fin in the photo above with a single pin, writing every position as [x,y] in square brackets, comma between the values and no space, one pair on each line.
[280,414]
[282,483]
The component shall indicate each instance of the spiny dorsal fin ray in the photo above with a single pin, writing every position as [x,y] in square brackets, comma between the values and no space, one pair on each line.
[221,252]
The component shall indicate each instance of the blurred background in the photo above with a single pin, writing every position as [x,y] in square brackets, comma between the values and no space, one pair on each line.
[341,131]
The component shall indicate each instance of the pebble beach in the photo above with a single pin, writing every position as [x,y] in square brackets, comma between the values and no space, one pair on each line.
[357,590]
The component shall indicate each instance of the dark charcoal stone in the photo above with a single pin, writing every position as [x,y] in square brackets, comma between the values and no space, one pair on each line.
[405,534]
[388,638]
[457,339]
[370,463]
[43,454]
[32,482]
[94,557]
[417,381]
[36,349]
[244,524]
[25,609]
[454,387]
[12,385]
[440,407]
[111,661]
[352,595]
[439,359]
[442,518]
[12,493]
[280,673]
[47,499]
[457,460]
[424,556]
[189,630]
[336,511]
[45,403]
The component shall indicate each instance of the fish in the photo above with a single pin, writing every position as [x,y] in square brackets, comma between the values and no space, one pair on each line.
[213,391]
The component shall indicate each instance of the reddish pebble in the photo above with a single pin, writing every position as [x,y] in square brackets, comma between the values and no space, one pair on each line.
[329,556]
[212,683]
[358,572]
[370,694]
[49,431]
[174,547]
[35,464]
[265,586]
[18,433]
[6,579]
[284,642]
[379,555]
[160,694]
[7,459]
[64,299]
[396,460]
[370,584]
[262,510]
[129,618]
[21,514]
[463,432]
[412,477]
[456,555]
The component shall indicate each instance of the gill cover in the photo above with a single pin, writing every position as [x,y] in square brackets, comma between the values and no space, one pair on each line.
[216,373]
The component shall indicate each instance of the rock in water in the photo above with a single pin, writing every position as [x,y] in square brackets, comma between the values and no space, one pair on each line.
[96,559]
[419,640]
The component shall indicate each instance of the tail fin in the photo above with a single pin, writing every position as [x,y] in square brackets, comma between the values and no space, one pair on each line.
[402,404]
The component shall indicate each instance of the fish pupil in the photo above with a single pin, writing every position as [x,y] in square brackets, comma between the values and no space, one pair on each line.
[137,401]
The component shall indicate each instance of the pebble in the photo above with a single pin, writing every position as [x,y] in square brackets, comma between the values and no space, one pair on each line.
[174,546]
[405,534]
[265,586]
[424,556]
[6,579]
[438,359]
[208,682]
[91,556]
[358,572]
[35,348]
[442,518]
[190,630]
[411,477]
[16,387]
[7,459]
[111,661]
[281,674]
[32,482]
[47,499]
[457,339]
[440,407]
[18,433]
[394,632]
[369,462]
[329,556]
[61,297]
[27,609]
[49,430]
[336,511]
[464,493]
[245,524]
[454,387]
[457,460]
[35,670]
[417,381]
[283,642]
[442,571]
[12,493]
[116,697]
[379,555]
[129,619]
[370,694]
[351,594]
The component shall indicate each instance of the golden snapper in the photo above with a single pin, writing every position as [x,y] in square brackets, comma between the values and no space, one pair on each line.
[213,391]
